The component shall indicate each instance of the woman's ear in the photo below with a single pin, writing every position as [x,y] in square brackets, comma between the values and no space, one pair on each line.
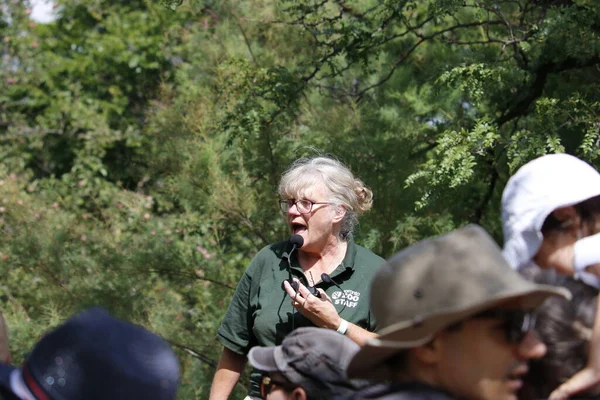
[339,213]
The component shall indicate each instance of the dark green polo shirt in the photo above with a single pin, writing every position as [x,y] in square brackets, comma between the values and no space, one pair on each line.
[261,313]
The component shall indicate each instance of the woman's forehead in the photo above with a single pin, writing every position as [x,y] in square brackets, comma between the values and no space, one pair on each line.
[309,189]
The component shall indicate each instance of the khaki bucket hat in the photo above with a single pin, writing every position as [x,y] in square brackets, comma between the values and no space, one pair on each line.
[435,283]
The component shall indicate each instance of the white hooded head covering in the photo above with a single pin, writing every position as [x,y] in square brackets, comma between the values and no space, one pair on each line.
[538,188]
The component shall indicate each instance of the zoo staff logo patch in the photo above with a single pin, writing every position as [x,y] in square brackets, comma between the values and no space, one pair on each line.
[347,299]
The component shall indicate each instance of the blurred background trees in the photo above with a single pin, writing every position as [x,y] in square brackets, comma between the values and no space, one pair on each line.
[142,141]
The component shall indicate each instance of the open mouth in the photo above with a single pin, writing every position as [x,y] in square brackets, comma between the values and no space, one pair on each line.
[298,228]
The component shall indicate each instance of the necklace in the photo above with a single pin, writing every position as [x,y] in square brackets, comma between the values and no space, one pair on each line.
[312,280]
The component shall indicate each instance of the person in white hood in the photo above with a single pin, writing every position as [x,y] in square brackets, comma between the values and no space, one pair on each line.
[551,217]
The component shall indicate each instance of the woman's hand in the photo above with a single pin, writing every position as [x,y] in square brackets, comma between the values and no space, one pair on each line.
[588,380]
[319,310]
[557,252]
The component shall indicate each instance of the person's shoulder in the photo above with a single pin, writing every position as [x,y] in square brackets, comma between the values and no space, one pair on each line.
[366,256]
[277,250]
[268,255]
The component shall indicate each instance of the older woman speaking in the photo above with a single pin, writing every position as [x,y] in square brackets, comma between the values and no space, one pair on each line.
[319,277]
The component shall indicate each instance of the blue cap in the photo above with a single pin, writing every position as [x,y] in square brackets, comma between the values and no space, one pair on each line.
[95,356]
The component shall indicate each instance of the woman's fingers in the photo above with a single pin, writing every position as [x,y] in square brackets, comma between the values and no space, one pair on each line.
[304,292]
[583,380]
[289,289]
[319,310]
[324,295]
[298,300]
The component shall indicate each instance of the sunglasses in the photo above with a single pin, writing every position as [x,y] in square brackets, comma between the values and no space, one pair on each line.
[267,383]
[518,323]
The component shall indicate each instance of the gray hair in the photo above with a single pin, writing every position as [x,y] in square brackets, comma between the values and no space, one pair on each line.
[346,190]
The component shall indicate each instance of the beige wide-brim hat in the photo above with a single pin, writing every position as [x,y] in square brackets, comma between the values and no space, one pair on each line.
[436,283]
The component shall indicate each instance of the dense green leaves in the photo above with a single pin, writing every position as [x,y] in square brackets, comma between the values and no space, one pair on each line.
[142,144]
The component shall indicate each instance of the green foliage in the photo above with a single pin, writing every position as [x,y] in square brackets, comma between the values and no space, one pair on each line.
[453,162]
[142,141]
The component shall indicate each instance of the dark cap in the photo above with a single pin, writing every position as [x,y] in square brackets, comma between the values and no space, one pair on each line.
[313,358]
[95,356]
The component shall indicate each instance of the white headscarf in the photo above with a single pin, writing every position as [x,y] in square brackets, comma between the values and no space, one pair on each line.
[538,188]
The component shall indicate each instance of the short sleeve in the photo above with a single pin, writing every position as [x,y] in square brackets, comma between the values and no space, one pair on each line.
[235,331]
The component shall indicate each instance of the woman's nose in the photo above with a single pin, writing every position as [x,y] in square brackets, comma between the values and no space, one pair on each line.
[293,209]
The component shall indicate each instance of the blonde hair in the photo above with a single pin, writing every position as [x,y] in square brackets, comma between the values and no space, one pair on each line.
[346,190]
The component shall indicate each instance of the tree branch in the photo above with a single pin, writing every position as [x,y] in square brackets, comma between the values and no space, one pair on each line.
[237,22]
[537,87]
[488,195]
[194,353]
[423,38]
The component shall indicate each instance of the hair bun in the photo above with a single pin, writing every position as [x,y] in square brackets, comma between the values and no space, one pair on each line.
[364,196]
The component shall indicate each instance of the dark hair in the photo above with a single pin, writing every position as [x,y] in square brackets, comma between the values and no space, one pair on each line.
[589,212]
[565,327]
[291,386]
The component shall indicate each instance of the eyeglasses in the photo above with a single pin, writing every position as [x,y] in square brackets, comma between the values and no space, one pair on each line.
[267,383]
[517,322]
[303,206]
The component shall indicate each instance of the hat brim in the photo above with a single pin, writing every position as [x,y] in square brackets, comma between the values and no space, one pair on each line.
[369,364]
[263,358]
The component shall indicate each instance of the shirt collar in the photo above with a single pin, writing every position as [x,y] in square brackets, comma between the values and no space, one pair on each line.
[347,262]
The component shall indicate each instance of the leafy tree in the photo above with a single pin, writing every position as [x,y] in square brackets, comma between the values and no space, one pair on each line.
[475,89]
[142,145]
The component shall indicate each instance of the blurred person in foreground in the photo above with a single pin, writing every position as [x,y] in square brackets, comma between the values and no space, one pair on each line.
[566,329]
[551,218]
[94,356]
[310,364]
[455,323]
[321,201]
